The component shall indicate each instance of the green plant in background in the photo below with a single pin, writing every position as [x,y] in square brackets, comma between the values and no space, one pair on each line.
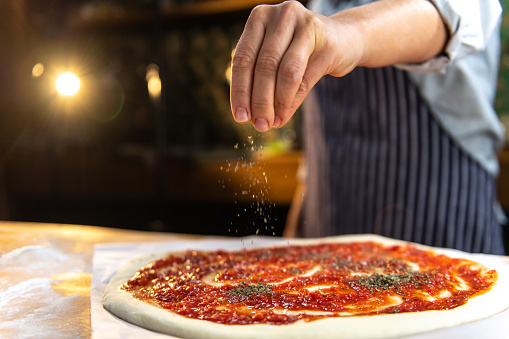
[502,100]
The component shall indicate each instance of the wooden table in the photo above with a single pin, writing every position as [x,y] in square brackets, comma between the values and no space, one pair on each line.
[45,276]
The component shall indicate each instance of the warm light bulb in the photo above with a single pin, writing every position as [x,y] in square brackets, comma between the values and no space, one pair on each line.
[153,81]
[68,84]
[154,87]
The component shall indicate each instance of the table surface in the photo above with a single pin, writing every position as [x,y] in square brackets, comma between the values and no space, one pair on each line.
[46,274]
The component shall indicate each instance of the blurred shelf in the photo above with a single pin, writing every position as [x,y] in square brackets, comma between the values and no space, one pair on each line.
[185,180]
[201,12]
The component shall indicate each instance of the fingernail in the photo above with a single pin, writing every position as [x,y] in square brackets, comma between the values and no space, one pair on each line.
[261,124]
[277,122]
[241,115]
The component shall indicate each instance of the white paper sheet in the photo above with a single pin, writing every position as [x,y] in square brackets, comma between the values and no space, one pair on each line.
[108,258]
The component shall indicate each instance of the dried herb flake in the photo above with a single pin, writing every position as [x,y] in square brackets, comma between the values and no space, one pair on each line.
[250,290]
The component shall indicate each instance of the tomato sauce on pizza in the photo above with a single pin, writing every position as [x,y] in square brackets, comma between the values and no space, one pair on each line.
[282,285]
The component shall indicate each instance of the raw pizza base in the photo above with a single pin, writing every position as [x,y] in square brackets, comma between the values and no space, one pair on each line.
[134,311]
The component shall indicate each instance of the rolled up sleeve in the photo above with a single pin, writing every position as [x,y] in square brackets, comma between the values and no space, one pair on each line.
[471,23]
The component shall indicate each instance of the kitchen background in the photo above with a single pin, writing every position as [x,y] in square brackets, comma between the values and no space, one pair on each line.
[148,142]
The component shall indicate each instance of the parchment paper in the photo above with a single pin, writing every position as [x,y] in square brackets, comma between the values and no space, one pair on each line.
[109,258]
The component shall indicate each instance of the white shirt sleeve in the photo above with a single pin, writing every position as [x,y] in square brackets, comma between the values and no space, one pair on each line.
[471,23]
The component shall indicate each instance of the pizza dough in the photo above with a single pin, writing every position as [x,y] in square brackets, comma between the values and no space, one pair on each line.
[143,314]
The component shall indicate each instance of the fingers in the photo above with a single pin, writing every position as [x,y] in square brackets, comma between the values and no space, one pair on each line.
[270,65]
[243,64]
[290,76]
[278,37]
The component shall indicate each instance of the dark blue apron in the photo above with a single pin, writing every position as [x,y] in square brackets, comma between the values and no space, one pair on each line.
[378,162]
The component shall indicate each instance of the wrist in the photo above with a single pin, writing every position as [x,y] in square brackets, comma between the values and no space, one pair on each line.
[349,46]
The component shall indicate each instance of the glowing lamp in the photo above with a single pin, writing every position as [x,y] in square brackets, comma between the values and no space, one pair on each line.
[153,81]
[68,84]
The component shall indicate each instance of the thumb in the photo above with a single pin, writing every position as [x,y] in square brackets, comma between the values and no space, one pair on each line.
[314,72]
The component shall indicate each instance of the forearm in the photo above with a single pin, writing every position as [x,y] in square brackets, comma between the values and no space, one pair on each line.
[396,31]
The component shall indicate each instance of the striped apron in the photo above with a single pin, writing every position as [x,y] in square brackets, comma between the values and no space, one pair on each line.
[378,162]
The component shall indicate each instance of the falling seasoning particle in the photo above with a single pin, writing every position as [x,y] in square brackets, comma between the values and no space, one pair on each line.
[257,231]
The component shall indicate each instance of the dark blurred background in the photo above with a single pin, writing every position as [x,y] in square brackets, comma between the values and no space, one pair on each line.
[148,142]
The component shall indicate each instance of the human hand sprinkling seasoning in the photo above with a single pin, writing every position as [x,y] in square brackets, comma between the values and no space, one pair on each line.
[285,49]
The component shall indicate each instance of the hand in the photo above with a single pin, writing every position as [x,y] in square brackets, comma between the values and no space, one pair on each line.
[285,49]
[283,52]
